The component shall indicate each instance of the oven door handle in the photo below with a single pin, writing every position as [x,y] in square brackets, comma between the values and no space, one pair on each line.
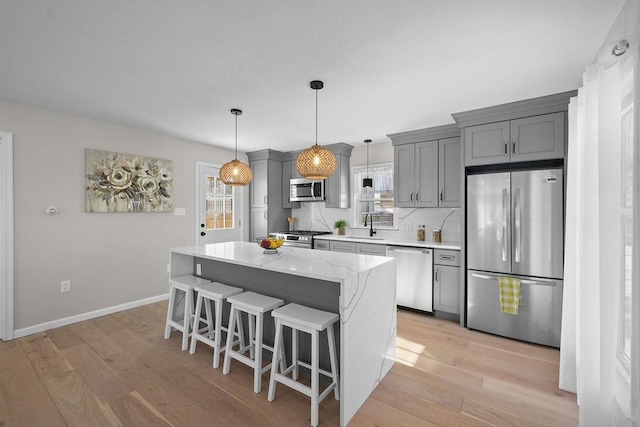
[296,245]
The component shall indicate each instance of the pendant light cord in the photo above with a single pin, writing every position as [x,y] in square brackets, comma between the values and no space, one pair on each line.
[316,116]
[236,137]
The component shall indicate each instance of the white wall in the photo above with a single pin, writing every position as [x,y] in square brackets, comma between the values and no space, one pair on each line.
[111,259]
[315,216]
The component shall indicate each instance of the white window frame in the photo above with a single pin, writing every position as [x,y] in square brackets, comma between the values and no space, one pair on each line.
[356,185]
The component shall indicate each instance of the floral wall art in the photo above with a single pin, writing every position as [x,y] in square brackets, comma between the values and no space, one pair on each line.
[117,182]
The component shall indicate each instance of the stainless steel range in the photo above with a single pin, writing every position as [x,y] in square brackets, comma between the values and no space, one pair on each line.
[299,238]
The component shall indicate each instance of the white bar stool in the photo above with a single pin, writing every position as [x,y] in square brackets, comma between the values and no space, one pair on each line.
[211,334]
[255,305]
[184,285]
[312,321]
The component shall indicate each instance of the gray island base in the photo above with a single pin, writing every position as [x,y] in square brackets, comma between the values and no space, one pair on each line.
[360,288]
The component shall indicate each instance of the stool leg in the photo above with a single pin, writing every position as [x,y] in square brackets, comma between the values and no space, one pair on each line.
[277,352]
[252,320]
[294,352]
[283,356]
[196,324]
[172,300]
[231,331]
[333,355]
[218,334]
[207,309]
[314,378]
[240,331]
[257,373]
[188,310]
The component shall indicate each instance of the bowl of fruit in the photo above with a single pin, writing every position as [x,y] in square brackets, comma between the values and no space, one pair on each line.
[269,244]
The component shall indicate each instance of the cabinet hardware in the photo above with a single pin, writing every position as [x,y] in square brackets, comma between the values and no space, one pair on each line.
[513,148]
[265,200]
[436,276]
[416,196]
[447,257]
[411,197]
[505,149]
[265,214]
[441,196]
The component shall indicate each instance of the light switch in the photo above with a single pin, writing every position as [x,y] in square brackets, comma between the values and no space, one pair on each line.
[180,211]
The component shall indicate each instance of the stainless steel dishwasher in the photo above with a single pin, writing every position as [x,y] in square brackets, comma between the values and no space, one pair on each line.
[414,277]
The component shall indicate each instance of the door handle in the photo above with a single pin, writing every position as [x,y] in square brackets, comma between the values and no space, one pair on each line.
[202,233]
[416,196]
[435,279]
[505,149]
[202,225]
[442,195]
[411,197]
[517,220]
[504,224]
[513,148]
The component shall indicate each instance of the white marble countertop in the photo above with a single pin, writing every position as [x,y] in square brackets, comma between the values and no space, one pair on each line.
[390,241]
[323,265]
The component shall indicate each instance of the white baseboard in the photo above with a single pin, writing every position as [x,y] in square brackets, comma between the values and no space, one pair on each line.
[18,333]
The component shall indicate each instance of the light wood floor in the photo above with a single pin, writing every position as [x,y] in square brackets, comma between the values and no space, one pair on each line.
[118,370]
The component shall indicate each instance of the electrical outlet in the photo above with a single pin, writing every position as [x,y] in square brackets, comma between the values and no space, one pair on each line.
[65,286]
[198,269]
[168,268]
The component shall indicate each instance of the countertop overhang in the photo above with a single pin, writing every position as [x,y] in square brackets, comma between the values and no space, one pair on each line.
[323,265]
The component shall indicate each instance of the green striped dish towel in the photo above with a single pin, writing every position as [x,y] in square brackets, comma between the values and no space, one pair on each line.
[510,295]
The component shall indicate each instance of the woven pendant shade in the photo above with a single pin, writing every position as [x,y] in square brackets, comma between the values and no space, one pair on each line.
[316,162]
[235,172]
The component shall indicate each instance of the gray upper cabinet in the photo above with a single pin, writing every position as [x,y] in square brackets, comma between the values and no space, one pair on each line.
[337,194]
[265,194]
[426,175]
[525,139]
[450,172]
[427,167]
[416,175]
[288,167]
[259,185]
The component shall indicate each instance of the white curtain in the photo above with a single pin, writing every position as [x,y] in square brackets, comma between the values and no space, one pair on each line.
[599,357]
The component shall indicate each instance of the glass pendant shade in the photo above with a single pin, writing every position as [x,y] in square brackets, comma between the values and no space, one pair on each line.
[316,162]
[235,172]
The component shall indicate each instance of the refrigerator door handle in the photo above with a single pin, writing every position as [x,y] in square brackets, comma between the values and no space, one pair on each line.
[505,201]
[517,221]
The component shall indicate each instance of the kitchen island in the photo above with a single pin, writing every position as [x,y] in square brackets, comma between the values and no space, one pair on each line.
[360,288]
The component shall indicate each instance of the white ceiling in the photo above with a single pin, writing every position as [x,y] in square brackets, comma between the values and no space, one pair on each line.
[178,67]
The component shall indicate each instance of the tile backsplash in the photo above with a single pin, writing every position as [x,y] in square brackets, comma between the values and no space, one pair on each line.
[316,216]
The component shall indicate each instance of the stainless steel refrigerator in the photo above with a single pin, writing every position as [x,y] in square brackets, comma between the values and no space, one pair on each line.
[515,229]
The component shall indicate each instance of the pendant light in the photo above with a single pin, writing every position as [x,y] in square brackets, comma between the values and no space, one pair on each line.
[235,172]
[367,182]
[316,162]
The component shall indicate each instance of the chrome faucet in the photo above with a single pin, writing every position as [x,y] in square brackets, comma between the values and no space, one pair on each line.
[371,230]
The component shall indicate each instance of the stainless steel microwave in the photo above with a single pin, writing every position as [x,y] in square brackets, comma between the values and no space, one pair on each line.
[306,190]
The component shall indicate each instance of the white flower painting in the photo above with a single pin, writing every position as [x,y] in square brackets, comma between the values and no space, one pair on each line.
[117,182]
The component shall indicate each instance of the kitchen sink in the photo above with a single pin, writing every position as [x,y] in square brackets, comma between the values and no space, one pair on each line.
[366,237]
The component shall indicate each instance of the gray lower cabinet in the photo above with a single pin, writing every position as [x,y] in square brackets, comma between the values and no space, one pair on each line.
[321,245]
[259,223]
[446,281]
[526,139]
[338,246]
[371,249]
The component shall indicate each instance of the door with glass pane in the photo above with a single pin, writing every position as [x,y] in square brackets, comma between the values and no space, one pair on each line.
[219,207]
